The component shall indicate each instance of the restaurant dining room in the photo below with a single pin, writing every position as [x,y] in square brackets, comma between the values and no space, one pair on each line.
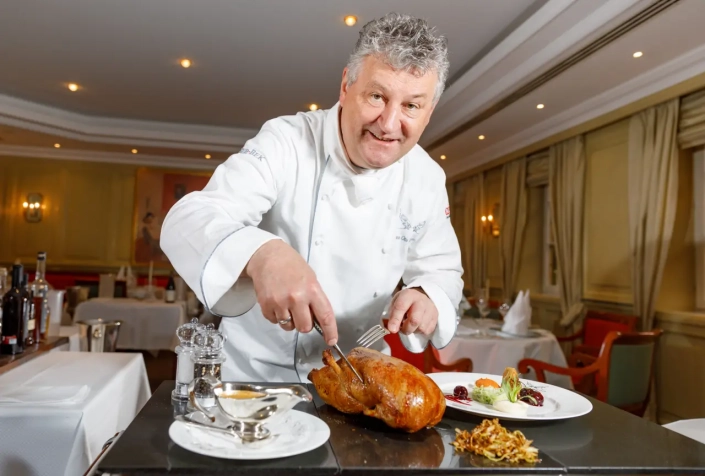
[356,237]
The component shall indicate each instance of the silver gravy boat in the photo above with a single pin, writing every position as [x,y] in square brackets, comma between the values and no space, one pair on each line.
[248,407]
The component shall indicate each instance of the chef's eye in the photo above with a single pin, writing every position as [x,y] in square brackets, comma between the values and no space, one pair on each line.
[412,107]
[376,97]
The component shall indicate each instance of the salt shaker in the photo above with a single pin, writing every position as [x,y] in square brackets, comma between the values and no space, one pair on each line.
[184,362]
[207,359]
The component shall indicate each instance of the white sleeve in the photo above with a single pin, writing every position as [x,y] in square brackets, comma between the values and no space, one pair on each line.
[434,265]
[209,236]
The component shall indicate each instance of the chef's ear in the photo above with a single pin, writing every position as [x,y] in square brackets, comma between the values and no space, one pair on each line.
[344,86]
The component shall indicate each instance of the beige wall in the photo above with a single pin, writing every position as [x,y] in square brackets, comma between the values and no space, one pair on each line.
[88,208]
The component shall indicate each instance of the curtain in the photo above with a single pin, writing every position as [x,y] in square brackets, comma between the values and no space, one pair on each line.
[691,120]
[566,186]
[512,222]
[653,195]
[474,206]
[537,169]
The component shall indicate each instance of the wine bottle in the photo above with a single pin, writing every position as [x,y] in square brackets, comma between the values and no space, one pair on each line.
[40,291]
[27,312]
[170,291]
[12,320]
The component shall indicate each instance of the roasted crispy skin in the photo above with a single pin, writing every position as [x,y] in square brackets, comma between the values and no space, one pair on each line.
[394,391]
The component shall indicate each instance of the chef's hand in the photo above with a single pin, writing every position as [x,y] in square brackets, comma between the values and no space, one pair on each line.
[287,290]
[412,311]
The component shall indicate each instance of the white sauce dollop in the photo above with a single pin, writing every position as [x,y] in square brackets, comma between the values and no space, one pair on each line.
[518,408]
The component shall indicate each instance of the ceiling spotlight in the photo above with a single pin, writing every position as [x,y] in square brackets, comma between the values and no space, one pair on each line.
[638,54]
[481,137]
[350,20]
[57,145]
[186,63]
[443,157]
[73,87]
[313,107]
[134,151]
[540,106]
[208,156]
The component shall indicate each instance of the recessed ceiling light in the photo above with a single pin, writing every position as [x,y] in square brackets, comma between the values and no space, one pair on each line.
[540,106]
[57,145]
[443,157]
[208,156]
[73,87]
[481,137]
[186,63]
[313,107]
[134,151]
[350,20]
[638,54]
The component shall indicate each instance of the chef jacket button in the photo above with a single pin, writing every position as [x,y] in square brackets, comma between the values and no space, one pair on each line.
[375,294]
[384,251]
[389,206]
[324,197]
[319,242]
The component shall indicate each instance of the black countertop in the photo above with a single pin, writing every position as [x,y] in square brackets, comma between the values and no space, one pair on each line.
[605,441]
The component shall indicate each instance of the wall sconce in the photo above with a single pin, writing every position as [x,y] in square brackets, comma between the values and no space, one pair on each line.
[489,223]
[33,208]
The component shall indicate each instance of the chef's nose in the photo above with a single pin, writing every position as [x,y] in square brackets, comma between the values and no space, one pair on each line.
[389,119]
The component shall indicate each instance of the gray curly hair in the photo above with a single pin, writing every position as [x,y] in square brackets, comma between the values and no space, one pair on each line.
[405,43]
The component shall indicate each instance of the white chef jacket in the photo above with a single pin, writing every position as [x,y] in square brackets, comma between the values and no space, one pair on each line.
[359,230]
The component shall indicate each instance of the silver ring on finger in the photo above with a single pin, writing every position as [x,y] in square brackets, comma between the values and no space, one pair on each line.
[285,321]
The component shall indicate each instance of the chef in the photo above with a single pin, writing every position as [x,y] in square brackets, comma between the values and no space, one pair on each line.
[323,213]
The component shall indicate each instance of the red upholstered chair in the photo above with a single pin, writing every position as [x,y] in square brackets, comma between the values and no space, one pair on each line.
[596,326]
[427,361]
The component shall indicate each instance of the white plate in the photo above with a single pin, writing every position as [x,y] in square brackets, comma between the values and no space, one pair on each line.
[296,433]
[558,403]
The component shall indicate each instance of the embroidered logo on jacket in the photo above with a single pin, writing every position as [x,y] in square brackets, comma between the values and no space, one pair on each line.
[253,153]
[407,226]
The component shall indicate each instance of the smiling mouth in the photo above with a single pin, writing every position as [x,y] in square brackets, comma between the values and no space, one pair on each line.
[379,138]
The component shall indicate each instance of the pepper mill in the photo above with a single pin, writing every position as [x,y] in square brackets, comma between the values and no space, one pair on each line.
[184,362]
[207,359]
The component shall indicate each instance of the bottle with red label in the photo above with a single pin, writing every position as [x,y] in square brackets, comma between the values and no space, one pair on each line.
[11,338]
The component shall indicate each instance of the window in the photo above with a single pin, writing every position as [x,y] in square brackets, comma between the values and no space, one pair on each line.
[699,225]
[550,265]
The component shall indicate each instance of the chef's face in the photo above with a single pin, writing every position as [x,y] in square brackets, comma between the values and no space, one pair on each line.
[384,112]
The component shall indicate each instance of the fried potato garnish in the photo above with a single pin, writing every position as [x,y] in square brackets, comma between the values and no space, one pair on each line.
[493,441]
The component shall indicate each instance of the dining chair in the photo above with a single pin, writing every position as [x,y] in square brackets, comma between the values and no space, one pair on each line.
[622,373]
[427,361]
[596,326]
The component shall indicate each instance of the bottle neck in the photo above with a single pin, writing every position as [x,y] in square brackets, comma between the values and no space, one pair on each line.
[17,277]
[41,269]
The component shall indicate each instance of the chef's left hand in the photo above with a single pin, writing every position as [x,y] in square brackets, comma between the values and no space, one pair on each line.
[412,311]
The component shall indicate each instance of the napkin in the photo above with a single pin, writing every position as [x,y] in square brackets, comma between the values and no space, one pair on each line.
[45,395]
[518,318]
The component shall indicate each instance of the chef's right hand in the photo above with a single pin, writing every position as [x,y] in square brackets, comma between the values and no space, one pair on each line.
[287,289]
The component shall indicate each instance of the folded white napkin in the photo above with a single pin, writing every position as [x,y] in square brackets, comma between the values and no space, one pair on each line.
[46,395]
[518,319]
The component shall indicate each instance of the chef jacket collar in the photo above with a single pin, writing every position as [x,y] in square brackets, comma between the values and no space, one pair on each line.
[365,183]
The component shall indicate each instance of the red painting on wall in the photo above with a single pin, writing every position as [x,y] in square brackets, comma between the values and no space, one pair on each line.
[156,191]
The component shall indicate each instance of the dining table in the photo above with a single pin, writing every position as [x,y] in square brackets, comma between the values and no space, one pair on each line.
[606,440]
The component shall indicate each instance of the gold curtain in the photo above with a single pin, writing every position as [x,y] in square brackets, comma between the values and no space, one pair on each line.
[474,205]
[566,187]
[512,222]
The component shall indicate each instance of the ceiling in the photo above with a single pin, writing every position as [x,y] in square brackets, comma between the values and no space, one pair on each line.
[257,59]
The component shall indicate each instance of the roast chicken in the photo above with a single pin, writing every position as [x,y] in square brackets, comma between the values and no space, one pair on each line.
[394,391]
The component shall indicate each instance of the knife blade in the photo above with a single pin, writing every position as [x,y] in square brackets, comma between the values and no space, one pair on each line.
[340,352]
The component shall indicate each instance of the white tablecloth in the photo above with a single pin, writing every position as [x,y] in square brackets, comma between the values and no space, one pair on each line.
[146,325]
[102,394]
[491,354]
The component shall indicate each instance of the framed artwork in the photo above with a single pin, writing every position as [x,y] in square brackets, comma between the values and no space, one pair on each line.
[156,191]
